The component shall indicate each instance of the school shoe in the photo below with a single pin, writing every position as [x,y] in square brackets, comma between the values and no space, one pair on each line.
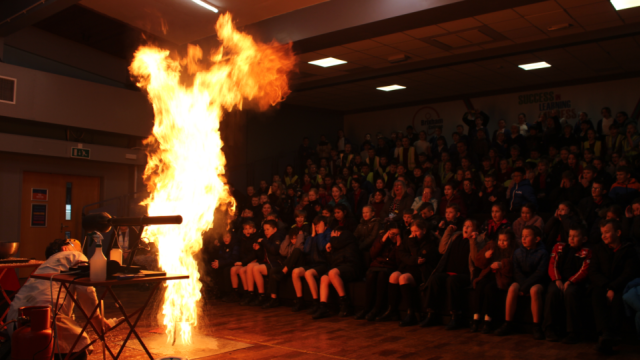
[538,334]
[550,335]
[251,296]
[389,315]
[505,329]
[455,323]
[345,307]
[432,319]
[273,303]
[372,315]
[323,312]
[362,314]
[476,325]
[571,339]
[298,304]
[410,319]
[487,328]
[259,300]
[314,308]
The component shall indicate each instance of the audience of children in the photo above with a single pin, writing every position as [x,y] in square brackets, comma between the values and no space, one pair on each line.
[539,213]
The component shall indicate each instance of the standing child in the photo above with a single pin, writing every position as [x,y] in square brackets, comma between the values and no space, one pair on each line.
[530,265]
[491,286]
[568,269]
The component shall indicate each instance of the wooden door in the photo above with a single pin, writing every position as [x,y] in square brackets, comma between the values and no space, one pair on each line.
[52,209]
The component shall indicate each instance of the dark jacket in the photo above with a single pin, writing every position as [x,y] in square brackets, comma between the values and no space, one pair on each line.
[405,202]
[383,254]
[521,193]
[613,269]
[344,250]
[247,253]
[569,264]
[413,248]
[504,274]
[270,248]
[557,230]
[530,266]
[227,254]
[315,252]
[491,229]
[455,200]
[366,233]
[486,204]
[357,206]
[457,253]
[589,209]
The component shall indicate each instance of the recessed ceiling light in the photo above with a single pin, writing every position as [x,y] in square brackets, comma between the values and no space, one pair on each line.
[533,66]
[624,4]
[205,5]
[391,87]
[326,62]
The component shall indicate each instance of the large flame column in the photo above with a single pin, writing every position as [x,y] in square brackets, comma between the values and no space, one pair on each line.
[185,169]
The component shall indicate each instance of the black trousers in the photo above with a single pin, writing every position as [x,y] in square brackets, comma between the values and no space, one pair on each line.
[444,289]
[488,298]
[565,310]
[295,260]
[609,315]
[377,281]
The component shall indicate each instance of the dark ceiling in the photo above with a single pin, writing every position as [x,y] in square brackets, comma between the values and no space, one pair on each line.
[453,49]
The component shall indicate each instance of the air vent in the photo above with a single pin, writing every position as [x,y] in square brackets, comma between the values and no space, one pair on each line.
[8,90]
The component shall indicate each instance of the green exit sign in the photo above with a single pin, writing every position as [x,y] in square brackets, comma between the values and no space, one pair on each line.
[80,153]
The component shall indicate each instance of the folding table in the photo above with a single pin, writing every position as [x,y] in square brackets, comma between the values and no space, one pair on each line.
[66,281]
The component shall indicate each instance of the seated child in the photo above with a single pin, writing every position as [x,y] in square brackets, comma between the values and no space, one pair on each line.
[568,269]
[301,224]
[497,222]
[226,254]
[405,223]
[557,228]
[314,263]
[383,263]
[269,261]
[527,217]
[344,264]
[530,266]
[248,259]
[417,256]
[491,286]
[614,264]
[426,212]
[293,259]
[451,218]
[447,285]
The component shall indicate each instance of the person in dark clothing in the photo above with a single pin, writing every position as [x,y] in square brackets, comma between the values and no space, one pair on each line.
[291,252]
[405,224]
[446,286]
[249,258]
[530,266]
[477,121]
[427,214]
[568,270]
[271,260]
[451,218]
[490,194]
[557,228]
[470,197]
[225,255]
[416,256]
[383,263]
[342,218]
[315,264]
[520,191]
[495,261]
[498,222]
[358,197]
[399,200]
[451,198]
[590,208]
[614,264]
[542,185]
[569,189]
[367,232]
[344,265]
[632,213]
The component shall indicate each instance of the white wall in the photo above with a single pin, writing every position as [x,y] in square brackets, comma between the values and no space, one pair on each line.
[619,95]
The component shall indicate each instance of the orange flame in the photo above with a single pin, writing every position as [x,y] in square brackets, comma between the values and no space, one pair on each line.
[185,170]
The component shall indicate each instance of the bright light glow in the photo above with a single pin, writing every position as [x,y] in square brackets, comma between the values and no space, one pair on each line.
[533,66]
[185,163]
[326,62]
[624,4]
[391,87]
[205,5]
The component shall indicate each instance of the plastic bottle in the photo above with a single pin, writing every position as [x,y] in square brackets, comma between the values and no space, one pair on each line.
[116,253]
[98,265]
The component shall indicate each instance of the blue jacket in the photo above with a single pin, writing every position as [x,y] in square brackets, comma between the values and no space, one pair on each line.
[521,193]
[315,248]
[530,267]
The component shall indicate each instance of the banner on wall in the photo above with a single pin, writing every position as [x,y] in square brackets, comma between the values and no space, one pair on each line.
[549,102]
[427,119]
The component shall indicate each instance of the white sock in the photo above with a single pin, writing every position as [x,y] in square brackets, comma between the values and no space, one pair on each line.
[476,316]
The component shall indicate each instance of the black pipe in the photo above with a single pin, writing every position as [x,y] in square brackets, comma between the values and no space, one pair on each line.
[102,221]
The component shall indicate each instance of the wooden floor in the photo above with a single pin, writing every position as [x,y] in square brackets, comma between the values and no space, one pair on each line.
[279,333]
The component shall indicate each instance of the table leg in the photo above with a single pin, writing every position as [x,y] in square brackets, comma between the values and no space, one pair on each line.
[132,327]
[6,297]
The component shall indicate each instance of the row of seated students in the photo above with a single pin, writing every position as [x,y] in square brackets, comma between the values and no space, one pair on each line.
[426,269]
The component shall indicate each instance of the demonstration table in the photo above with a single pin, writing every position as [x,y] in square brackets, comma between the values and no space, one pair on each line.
[3,269]
[67,281]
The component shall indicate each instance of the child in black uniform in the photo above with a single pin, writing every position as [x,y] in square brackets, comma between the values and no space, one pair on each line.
[271,260]
[451,218]
[290,250]
[417,257]
[315,263]
[568,269]
[344,265]
[225,256]
[248,259]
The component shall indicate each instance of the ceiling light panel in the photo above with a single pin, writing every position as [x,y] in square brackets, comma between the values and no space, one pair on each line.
[326,62]
[206,5]
[391,87]
[534,66]
[624,4]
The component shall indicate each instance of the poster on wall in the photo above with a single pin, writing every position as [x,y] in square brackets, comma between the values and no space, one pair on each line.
[38,215]
[428,119]
[39,194]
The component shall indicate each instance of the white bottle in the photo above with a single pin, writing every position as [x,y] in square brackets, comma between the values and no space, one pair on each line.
[98,265]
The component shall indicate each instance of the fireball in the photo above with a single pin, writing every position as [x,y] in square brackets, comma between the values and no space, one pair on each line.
[186,165]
